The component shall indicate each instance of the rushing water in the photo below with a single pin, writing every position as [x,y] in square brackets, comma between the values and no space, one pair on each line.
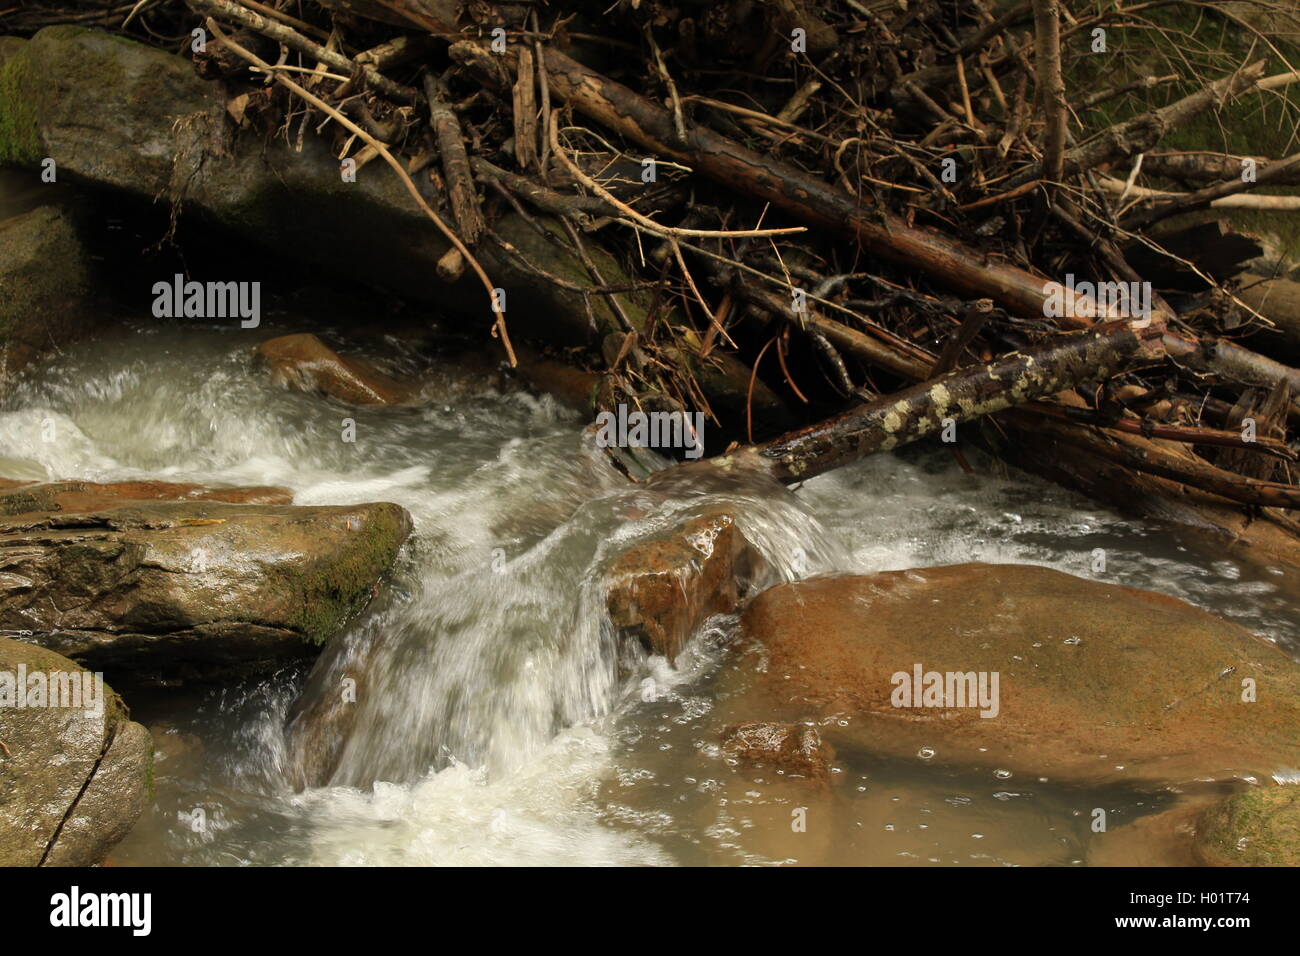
[498,724]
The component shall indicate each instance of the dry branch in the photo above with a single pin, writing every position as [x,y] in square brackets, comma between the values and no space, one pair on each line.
[455,161]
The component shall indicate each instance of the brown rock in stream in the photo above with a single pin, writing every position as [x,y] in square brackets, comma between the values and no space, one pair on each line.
[789,748]
[79,497]
[1258,827]
[661,591]
[1096,681]
[305,362]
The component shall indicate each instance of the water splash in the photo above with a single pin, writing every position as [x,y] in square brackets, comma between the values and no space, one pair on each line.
[484,667]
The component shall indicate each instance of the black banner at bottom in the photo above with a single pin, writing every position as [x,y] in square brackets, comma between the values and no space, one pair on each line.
[216,906]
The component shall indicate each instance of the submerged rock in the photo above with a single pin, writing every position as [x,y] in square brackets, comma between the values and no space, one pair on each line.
[660,591]
[304,362]
[571,386]
[788,748]
[1094,681]
[154,590]
[322,717]
[72,783]
[44,274]
[1163,838]
[1258,827]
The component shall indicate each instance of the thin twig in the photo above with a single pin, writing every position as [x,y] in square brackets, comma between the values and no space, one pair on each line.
[500,324]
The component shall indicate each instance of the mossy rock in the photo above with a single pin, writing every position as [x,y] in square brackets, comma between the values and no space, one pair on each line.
[18,140]
[101,106]
[175,590]
[1259,827]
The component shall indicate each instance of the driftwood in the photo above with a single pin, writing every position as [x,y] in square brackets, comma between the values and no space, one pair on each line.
[455,161]
[959,396]
[1204,198]
[1142,132]
[1278,300]
[617,108]
[1203,168]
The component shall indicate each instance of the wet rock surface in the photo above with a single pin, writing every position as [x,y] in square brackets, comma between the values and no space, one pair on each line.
[71,784]
[1096,682]
[322,717]
[152,590]
[78,497]
[660,591]
[788,748]
[306,363]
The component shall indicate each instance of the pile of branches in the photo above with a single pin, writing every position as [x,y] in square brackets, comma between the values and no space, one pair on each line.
[859,202]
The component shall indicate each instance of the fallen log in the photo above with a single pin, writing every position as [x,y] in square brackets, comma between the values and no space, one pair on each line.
[1062,363]
[1278,300]
[455,162]
[1052,98]
[1142,132]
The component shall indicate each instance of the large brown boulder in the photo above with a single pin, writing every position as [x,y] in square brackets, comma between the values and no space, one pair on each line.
[158,589]
[73,779]
[1095,681]
[73,497]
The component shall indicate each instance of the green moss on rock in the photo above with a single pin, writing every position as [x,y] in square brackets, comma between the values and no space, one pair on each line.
[1260,827]
[19,138]
[326,595]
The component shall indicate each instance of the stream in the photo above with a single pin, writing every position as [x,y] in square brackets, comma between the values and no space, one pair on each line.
[500,725]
